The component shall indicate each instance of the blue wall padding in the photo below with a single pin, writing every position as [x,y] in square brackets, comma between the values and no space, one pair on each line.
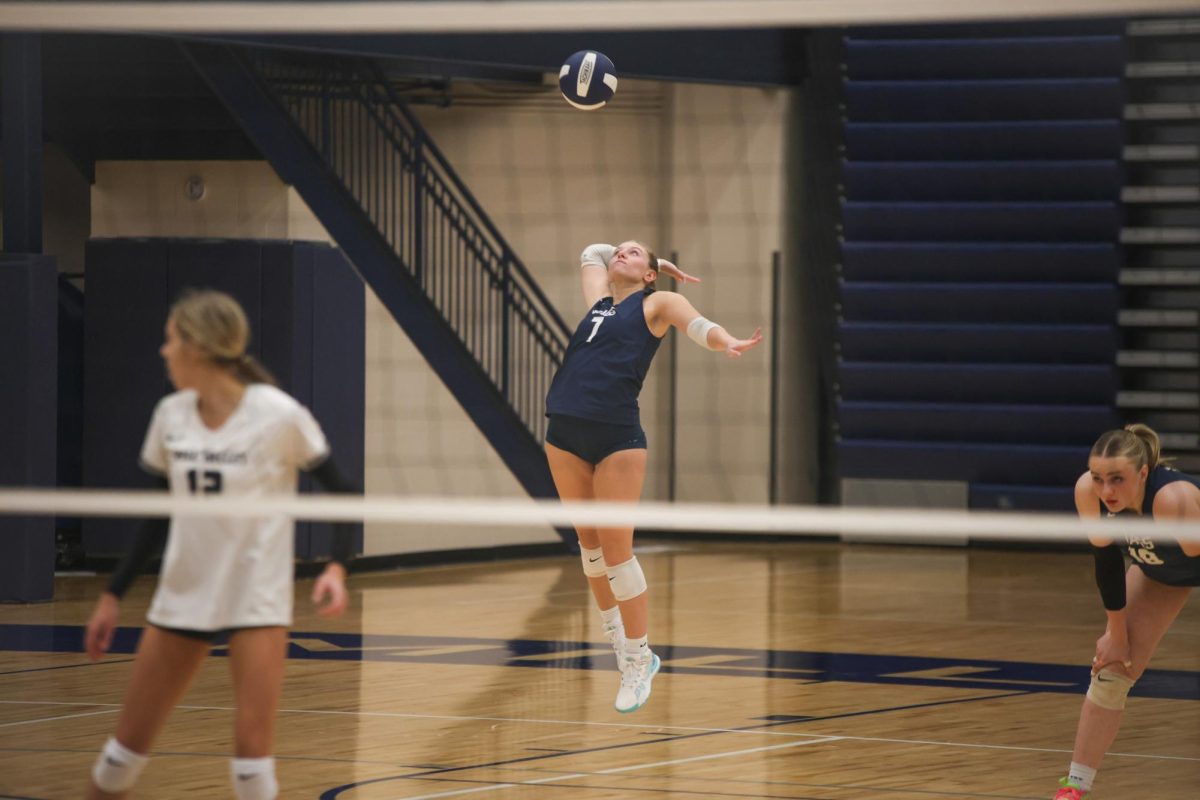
[981,261]
[982,222]
[123,375]
[978,300]
[1022,464]
[996,497]
[337,368]
[967,141]
[28,418]
[1041,344]
[979,383]
[987,181]
[975,422]
[1049,303]
[976,100]
[1043,57]
[289,290]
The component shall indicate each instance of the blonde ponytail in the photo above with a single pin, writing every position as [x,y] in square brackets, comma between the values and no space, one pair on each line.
[215,323]
[1137,442]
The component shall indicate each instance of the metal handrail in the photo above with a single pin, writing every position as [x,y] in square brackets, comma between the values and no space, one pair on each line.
[439,232]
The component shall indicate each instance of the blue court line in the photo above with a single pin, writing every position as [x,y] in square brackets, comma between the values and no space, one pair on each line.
[333,793]
[796,665]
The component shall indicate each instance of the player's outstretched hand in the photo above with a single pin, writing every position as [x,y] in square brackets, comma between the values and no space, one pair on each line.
[675,272]
[100,626]
[739,346]
[329,594]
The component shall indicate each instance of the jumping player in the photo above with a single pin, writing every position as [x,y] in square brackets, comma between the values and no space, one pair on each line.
[595,444]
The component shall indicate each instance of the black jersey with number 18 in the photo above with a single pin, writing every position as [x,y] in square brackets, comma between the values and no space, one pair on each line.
[1160,559]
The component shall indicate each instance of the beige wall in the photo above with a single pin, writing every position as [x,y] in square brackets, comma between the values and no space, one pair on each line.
[727,199]
[242,199]
[697,170]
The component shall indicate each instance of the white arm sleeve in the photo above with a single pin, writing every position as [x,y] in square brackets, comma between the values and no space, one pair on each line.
[598,254]
[697,331]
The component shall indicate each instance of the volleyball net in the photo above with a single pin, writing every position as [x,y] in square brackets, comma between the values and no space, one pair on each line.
[489,514]
[416,16]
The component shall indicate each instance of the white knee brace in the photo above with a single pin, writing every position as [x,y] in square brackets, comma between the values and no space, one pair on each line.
[593,562]
[117,768]
[254,778]
[627,580]
[1109,689]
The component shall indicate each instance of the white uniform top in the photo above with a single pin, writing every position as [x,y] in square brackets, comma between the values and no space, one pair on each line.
[229,573]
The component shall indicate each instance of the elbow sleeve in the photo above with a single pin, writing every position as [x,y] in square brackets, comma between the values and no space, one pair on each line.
[1110,576]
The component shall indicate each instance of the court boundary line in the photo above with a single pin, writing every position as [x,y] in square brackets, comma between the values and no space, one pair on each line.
[494,787]
[67,666]
[66,716]
[690,729]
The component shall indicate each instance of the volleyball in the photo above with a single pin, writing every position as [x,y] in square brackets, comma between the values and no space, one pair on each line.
[588,80]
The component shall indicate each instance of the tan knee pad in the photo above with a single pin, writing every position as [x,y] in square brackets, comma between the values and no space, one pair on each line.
[1109,689]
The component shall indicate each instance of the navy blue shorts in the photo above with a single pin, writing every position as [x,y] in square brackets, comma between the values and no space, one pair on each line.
[211,637]
[593,441]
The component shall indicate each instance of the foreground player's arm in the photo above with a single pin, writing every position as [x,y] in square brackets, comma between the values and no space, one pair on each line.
[1113,646]
[332,581]
[147,542]
[671,310]
[1179,501]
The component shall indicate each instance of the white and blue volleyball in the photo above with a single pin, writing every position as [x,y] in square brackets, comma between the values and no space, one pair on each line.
[588,80]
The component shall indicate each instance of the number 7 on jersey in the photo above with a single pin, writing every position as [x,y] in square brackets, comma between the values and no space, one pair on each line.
[595,327]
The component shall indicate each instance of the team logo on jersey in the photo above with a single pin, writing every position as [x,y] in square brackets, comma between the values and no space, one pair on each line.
[1142,551]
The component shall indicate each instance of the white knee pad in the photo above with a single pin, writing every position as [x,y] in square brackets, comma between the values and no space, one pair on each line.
[627,580]
[117,768]
[593,562]
[1109,689]
[254,778]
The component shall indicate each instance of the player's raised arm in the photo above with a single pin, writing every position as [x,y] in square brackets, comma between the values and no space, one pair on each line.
[593,271]
[670,310]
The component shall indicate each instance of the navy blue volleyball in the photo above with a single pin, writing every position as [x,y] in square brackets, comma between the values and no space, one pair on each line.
[588,80]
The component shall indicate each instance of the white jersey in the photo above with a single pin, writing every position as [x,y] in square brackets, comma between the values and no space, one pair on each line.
[229,573]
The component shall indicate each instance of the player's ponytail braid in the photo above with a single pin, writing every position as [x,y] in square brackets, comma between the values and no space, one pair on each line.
[214,322]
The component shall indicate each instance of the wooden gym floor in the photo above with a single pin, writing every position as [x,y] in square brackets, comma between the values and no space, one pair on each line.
[809,671]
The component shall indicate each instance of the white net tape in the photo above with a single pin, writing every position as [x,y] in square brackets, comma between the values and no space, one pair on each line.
[315,16]
[487,513]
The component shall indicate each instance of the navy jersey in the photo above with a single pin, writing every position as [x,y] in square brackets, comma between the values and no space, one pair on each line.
[606,362]
[1164,561]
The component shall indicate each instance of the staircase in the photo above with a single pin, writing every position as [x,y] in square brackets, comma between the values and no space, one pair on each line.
[1160,279]
[361,160]
[980,218]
